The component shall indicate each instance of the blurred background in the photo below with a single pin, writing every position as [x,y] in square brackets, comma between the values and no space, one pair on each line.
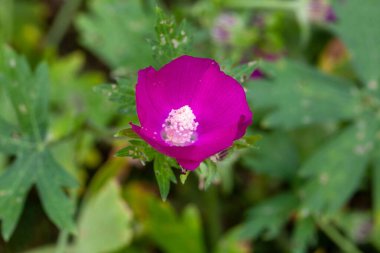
[310,184]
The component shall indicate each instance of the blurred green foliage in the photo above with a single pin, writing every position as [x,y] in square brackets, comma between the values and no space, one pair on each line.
[306,178]
[122,39]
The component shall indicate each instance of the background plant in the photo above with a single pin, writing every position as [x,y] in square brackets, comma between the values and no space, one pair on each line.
[310,183]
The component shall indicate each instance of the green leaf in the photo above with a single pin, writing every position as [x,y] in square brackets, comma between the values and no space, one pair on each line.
[242,72]
[304,235]
[15,183]
[137,149]
[299,95]
[27,91]
[127,132]
[232,243]
[50,178]
[40,169]
[41,99]
[207,173]
[72,96]
[122,93]
[124,44]
[172,39]
[10,141]
[336,170]
[160,222]
[103,230]
[183,177]
[283,163]
[104,174]
[247,141]
[269,217]
[133,151]
[164,174]
[357,27]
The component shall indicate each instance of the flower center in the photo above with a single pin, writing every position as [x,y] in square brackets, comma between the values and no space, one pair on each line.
[179,127]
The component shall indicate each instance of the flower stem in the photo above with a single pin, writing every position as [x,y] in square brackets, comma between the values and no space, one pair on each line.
[261,4]
[62,242]
[62,21]
[342,242]
[213,216]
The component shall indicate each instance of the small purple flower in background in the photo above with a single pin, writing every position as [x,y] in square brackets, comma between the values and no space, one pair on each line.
[221,31]
[321,11]
[271,57]
[190,110]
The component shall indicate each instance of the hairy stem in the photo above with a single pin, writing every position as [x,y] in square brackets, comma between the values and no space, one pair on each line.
[342,242]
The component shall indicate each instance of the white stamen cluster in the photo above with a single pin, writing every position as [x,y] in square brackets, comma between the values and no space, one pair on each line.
[180,126]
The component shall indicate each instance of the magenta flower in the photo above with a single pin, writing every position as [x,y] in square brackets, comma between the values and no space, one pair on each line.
[190,110]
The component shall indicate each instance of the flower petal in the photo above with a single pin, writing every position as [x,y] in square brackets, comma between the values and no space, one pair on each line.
[207,145]
[220,100]
[150,110]
[189,164]
[171,87]
[217,100]
[179,80]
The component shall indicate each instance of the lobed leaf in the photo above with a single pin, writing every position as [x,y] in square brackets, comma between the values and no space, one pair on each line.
[41,169]
[164,174]
[50,179]
[282,163]
[10,139]
[128,133]
[304,235]
[122,93]
[15,183]
[172,38]
[124,44]
[336,170]
[357,26]
[242,72]
[299,95]
[269,217]
[136,150]
[27,91]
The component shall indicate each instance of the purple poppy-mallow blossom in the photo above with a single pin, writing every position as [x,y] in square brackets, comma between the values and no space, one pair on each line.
[190,110]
